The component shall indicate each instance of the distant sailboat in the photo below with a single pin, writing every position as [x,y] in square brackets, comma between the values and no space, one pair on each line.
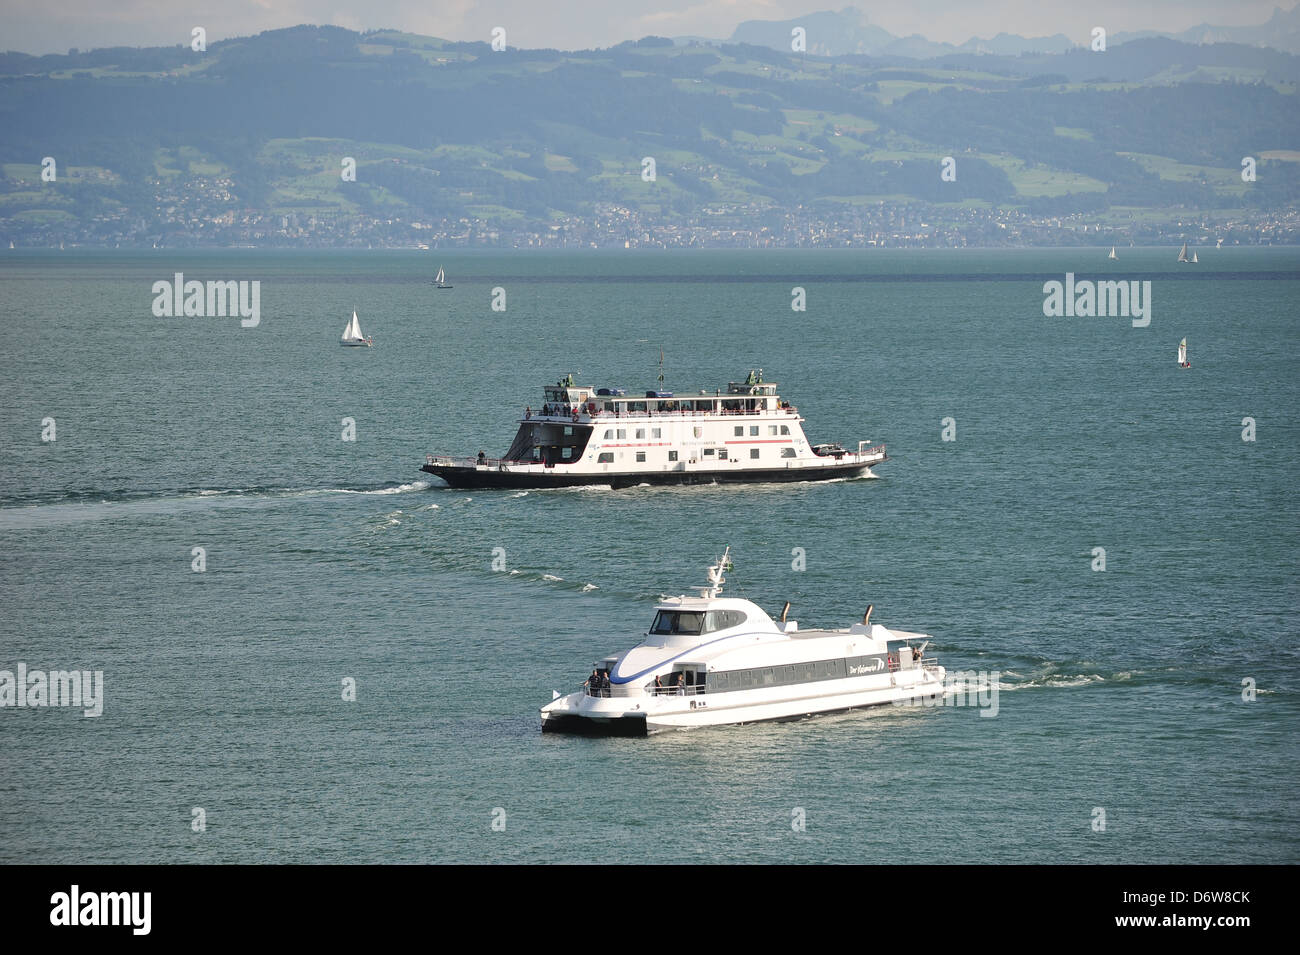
[440,279]
[1182,255]
[1182,355]
[1218,244]
[352,334]
[1112,253]
[1194,258]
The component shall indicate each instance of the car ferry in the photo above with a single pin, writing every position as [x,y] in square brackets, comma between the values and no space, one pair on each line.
[710,660]
[582,435]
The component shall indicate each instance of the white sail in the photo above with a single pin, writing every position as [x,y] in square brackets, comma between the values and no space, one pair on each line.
[352,333]
[1182,352]
[1182,254]
[1194,258]
[441,276]
[1112,253]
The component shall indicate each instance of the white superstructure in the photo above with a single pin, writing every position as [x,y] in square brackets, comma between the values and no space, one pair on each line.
[710,660]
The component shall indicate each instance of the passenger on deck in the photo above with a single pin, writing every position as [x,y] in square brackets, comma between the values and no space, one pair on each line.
[482,457]
[604,683]
[658,685]
[592,683]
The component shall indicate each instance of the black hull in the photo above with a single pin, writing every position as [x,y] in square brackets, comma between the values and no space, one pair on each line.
[470,477]
[631,726]
[584,726]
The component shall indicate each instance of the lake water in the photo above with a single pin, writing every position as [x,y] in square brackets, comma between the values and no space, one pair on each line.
[1120,690]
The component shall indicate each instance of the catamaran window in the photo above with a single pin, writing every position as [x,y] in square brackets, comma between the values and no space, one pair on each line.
[656,432]
[640,432]
[740,430]
[753,452]
[787,452]
[622,433]
[771,429]
[566,453]
[722,619]
[785,429]
[640,457]
[568,429]
[677,621]
[708,452]
[672,455]
[753,429]
[722,454]
[609,433]
[605,457]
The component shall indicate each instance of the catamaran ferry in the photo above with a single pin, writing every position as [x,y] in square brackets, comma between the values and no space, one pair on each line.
[583,435]
[710,660]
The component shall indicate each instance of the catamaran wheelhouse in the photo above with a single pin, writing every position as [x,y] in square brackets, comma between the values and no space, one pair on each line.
[584,435]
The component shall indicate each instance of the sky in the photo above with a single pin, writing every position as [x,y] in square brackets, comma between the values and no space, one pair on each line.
[54,26]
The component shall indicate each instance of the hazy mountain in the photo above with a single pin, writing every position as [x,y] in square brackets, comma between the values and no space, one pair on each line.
[850,31]
[1281,32]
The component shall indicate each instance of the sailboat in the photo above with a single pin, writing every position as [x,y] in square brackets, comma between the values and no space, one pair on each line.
[1182,355]
[440,279]
[1182,255]
[1112,253]
[352,334]
[1194,258]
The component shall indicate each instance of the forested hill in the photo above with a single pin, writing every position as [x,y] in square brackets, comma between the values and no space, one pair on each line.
[444,131]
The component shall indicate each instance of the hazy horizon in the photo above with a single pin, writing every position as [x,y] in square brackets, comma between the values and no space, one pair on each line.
[36,28]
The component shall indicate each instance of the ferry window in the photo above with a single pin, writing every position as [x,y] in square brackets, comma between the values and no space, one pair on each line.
[640,457]
[753,452]
[722,454]
[785,429]
[606,457]
[740,430]
[787,452]
[609,433]
[672,455]
[640,432]
[622,433]
[636,406]
[677,621]
[566,453]
[609,406]
[771,429]
[753,429]
[708,452]
[656,432]
[568,429]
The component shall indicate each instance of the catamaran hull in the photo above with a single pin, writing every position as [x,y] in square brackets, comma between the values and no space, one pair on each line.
[717,710]
[472,477]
